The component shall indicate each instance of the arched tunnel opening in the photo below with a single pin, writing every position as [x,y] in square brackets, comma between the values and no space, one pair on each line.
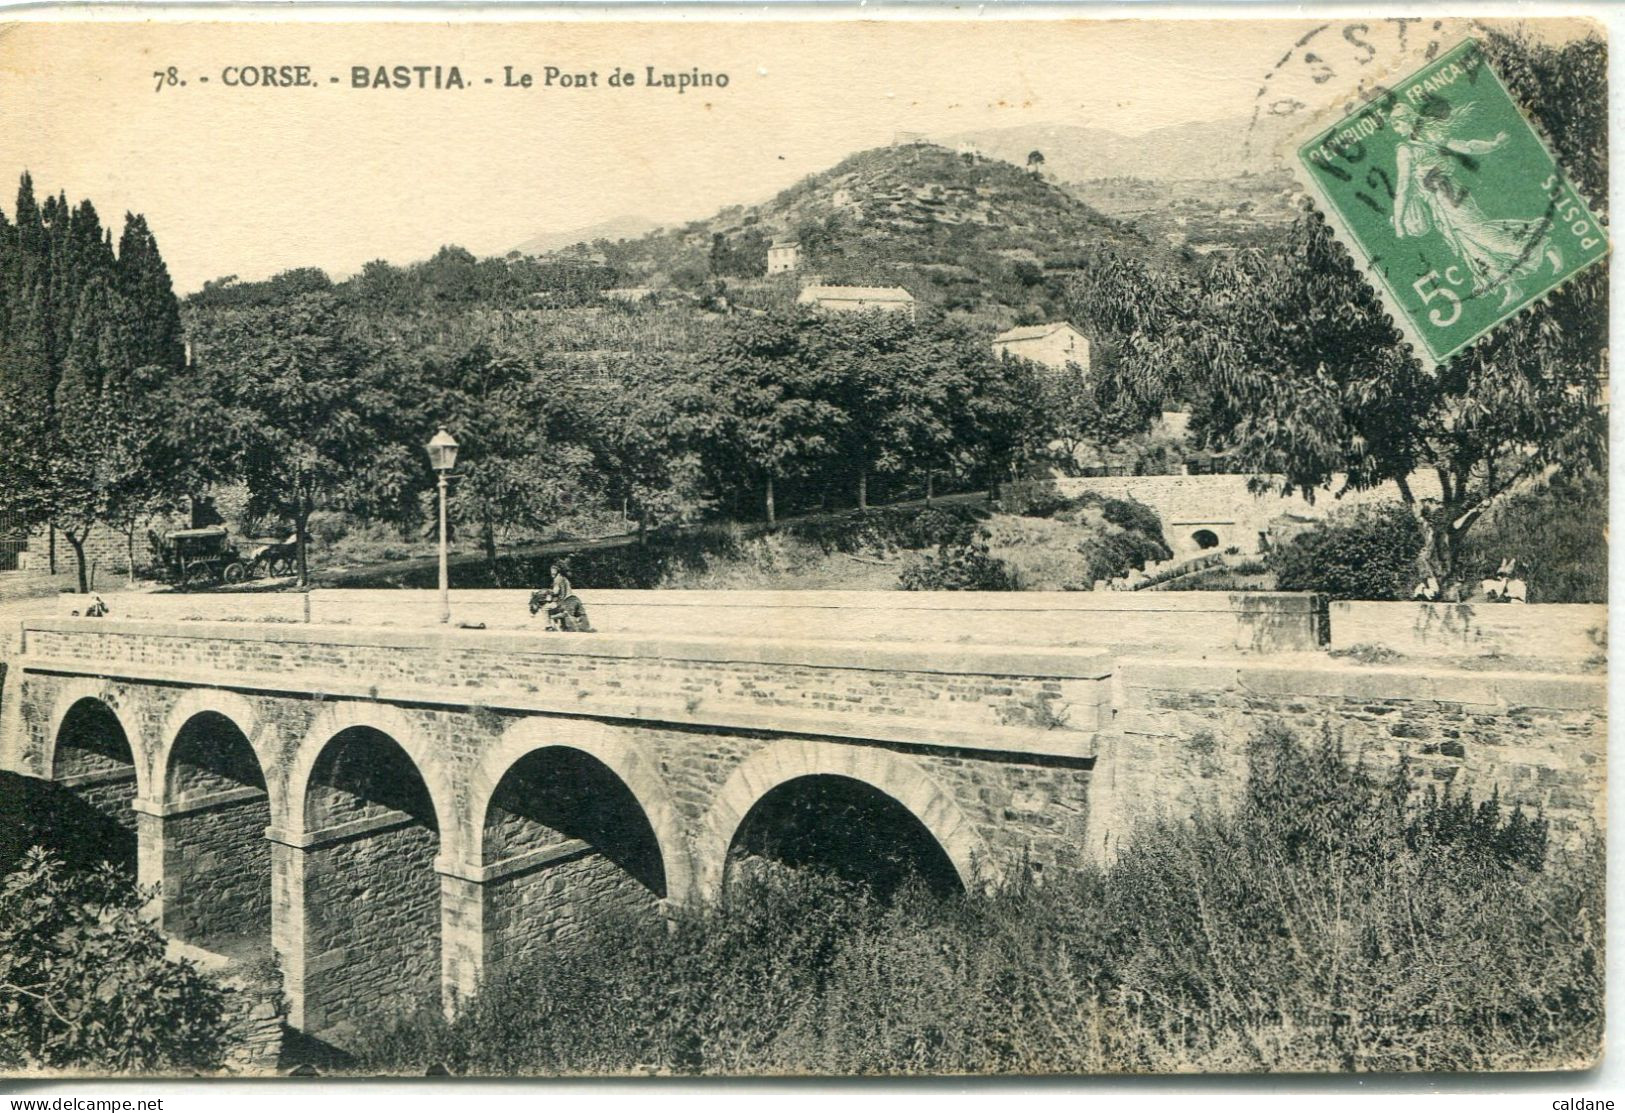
[844,828]
[217,862]
[371,894]
[1205,539]
[577,846]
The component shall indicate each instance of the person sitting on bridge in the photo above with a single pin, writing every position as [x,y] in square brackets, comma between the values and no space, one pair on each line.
[564,609]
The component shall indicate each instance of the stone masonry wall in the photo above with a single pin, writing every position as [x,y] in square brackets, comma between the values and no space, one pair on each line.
[1030,816]
[1024,810]
[112,797]
[1181,733]
[523,666]
[217,876]
[372,908]
[530,910]
[1225,505]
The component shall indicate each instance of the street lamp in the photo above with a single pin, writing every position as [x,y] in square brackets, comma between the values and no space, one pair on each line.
[443,457]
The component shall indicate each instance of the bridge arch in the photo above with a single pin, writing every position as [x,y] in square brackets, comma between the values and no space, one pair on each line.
[230,706]
[216,806]
[615,750]
[891,774]
[391,722]
[367,813]
[75,690]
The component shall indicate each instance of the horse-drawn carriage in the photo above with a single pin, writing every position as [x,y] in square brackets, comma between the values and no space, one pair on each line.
[192,557]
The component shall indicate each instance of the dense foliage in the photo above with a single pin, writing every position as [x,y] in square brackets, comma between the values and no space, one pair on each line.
[84,981]
[1301,374]
[1557,533]
[90,347]
[1335,921]
[959,566]
[1368,554]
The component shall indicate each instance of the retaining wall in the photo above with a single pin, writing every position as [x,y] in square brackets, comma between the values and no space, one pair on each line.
[1574,633]
[1181,731]
[1223,504]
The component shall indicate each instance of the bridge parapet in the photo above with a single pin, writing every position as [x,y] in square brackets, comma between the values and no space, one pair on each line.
[1184,622]
[1017,699]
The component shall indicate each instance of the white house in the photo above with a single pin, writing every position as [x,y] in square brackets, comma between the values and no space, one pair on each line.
[850,299]
[783,256]
[1054,345]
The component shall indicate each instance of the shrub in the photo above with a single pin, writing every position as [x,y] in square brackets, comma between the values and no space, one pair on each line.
[84,983]
[329,527]
[1134,516]
[1033,498]
[1109,554]
[962,567]
[886,529]
[1370,554]
[1558,534]
[1333,920]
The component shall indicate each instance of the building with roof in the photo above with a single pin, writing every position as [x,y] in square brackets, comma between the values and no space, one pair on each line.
[783,256]
[852,299]
[1053,345]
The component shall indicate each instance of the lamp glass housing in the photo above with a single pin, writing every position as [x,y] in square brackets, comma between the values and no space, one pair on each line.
[442,451]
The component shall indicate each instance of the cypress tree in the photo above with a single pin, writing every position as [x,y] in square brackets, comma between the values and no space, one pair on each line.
[27,358]
[143,280]
[8,284]
[30,229]
[80,324]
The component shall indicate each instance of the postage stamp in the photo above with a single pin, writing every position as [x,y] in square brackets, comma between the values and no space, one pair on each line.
[1451,201]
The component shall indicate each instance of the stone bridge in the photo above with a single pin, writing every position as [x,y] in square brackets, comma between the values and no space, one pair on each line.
[397,810]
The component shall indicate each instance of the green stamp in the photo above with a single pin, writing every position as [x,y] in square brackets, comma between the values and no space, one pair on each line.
[1443,190]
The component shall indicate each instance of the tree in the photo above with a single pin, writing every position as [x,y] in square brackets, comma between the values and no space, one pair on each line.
[69,394]
[1309,380]
[781,401]
[306,408]
[512,472]
[652,445]
[84,981]
[1003,427]
[143,281]
[1035,161]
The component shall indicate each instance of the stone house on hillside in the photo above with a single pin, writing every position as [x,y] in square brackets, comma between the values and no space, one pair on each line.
[1054,345]
[849,299]
[783,256]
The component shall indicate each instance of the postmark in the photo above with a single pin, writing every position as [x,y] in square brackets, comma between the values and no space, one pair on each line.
[1451,202]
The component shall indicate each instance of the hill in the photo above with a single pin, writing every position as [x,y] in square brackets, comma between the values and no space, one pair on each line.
[617,228]
[1207,149]
[1201,215]
[970,236]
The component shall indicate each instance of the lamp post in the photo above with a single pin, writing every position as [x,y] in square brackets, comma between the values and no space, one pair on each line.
[442,457]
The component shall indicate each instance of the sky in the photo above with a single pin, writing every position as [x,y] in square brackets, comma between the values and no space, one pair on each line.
[253,181]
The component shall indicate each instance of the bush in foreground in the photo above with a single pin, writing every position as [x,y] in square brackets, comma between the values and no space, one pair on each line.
[84,981]
[1332,921]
